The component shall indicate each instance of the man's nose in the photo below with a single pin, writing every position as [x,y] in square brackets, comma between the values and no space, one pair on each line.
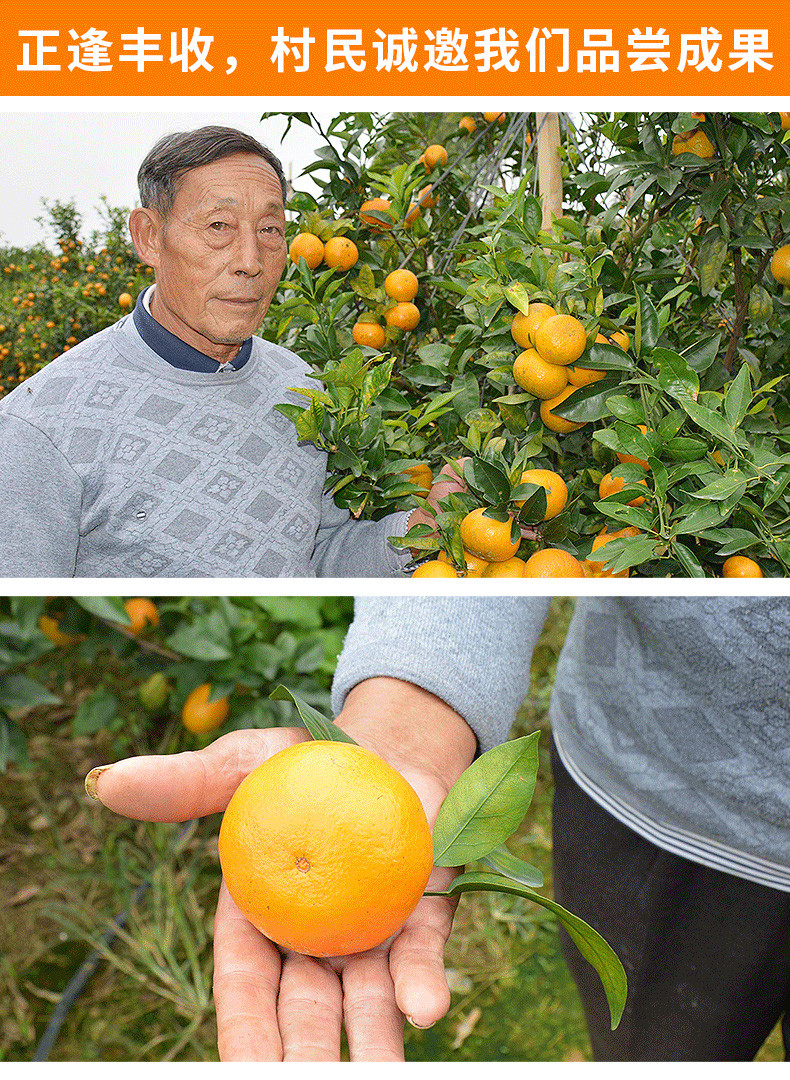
[247,253]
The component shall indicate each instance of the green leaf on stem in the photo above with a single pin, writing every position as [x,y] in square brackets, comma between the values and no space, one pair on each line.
[503,861]
[109,608]
[488,803]
[319,726]
[589,942]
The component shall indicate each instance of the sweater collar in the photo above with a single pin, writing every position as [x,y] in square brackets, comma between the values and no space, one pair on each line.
[175,351]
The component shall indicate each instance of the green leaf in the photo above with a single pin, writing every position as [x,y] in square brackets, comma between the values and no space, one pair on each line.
[709,420]
[207,639]
[685,448]
[710,260]
[588,403]
[594,948]
[625,408]
[703,517]
[609,358]
[738,397]
[95,713]
[319,726]
[675,376]
[688,560]
[105,607]
[487,803]
[488,480]
[732,484]
[646,334]
[21,692]
[505,862]
[702,354]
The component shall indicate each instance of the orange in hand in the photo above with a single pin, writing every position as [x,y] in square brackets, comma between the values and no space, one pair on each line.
[326,848]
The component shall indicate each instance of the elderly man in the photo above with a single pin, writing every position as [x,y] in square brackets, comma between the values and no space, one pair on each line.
[154,448]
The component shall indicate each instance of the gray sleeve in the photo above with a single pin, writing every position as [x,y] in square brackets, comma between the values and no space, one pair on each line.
[472,652]
[345,547]
[40,504]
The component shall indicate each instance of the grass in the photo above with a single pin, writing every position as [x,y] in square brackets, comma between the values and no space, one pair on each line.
[69,867]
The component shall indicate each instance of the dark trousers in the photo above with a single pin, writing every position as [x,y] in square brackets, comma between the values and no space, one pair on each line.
[707,954]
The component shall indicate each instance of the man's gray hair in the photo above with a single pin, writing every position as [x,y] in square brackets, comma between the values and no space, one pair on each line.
[174,155]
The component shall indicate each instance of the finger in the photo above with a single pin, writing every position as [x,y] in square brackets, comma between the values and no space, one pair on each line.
[310,1010]
[417,956]
[374,1023]
[246,978]
[177,787]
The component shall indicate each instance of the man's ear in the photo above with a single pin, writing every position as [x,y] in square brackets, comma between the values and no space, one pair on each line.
[145,227]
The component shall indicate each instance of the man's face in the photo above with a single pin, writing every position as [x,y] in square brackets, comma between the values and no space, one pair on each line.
[220,253]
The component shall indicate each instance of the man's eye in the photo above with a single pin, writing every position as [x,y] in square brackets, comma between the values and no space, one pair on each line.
[271,229]
[218,225]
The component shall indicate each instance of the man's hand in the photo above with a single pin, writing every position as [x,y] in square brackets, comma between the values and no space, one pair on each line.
[448,480]
[274,1006]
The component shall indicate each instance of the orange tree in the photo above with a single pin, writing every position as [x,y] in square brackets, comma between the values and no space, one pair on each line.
[54,295]
[662,255]
[131,686]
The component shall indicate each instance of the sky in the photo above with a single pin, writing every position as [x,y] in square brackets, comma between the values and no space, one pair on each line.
[84,155]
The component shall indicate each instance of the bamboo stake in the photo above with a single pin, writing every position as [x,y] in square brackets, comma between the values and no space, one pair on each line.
[549,166]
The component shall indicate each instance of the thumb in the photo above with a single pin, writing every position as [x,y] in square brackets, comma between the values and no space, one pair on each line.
[178,787]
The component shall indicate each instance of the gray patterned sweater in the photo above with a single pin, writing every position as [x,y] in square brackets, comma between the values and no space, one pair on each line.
[117,464]
[671,712]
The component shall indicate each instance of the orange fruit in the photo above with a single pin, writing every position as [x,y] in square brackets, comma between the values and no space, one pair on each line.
[474,564]
[619,337]
[509,568]
[610,484]
[556,490]
[426,197]
[143,613]
[578,376]
[125,300]
[780,264]
[200,715]
[559,423]
[433,156]
[490,117]
[420,474]
[623,458]
[553,562]
[308,247]
[404,316]
[693,142]
[50,627]
[524,326]
[434,568]
[340,252]
[468,124]
[488,538]
[739,566]
[537,377]
[369,333]
[401,284]
[378,206]
[561,339]
[784,118]
[325,848]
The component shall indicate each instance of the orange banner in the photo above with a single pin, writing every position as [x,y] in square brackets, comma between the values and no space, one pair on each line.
[678,49]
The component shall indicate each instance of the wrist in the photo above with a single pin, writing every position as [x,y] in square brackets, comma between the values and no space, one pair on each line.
[405,723]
